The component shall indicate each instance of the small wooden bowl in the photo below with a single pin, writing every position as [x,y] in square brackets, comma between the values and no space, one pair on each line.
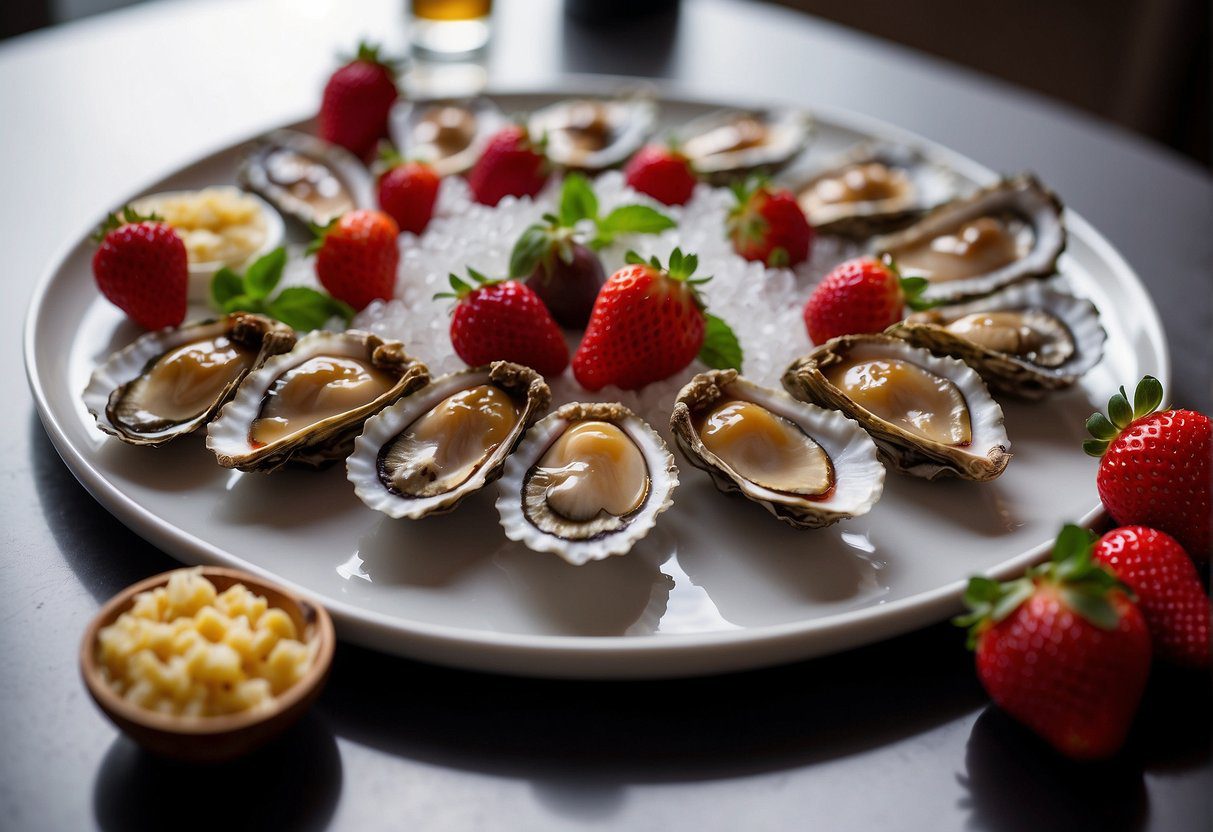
[212,738]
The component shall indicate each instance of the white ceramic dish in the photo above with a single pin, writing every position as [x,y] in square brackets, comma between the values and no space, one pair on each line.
[719,585]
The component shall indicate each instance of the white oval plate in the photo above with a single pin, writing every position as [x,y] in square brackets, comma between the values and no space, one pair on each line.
[718,586]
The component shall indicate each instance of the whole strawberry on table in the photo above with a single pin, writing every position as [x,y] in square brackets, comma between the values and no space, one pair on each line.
[357,100]
[141,266]
[557,258]
[861,295]
[767,225]
[649,322]
[504,320]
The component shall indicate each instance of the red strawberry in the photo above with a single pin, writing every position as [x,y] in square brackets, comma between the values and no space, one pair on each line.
[860,295]
[357,98]
[1157,467]
[663,173]
[407,192]
[505,321]
[649,323]
[141,267]
[767,225]
[356,257]
[511,165]
[1063,649]
[1168,590]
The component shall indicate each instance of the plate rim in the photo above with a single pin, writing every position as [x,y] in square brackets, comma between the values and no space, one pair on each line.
[580,656]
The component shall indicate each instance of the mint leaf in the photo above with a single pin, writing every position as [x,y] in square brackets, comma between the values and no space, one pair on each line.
[721,349]
[263,275]
[225,285]
[630,219]
[531,247]
[577,200]
[306,309]
[241,303]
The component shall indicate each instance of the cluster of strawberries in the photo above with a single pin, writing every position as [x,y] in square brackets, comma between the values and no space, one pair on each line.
[1067,649]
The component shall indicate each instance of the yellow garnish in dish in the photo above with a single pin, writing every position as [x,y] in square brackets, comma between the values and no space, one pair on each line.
[189,650]
[221,225]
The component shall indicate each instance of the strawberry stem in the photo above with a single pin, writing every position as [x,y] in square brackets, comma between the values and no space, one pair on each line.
[1146,399]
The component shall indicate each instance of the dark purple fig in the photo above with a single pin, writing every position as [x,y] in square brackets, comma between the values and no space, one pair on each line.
[567,281]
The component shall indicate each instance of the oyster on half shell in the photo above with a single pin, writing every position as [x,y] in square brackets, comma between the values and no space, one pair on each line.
[425,453]
[930,416]
[307,405]
[873,188]
[808,466]
[594,134]
[587,482]
[448,134]
[1028,339]
[169,383]
[1003,234]
[306,178]
[729,143]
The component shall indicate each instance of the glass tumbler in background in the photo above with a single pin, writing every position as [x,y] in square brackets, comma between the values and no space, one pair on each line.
[450,28]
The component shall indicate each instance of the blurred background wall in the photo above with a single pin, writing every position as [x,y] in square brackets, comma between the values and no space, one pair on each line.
[1143,64]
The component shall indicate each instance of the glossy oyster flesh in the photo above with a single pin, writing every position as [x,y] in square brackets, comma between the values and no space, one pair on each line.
[306,178]
[808,466]
[307,405]
[1028,339]
[873,189]
[449,134]
[169,383]
[425,453]
[975,245]
[728,143]
[587,482]
[930,415]
[594,134]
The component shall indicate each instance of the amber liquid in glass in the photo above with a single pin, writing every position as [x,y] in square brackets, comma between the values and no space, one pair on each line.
[445,28]
[452,9]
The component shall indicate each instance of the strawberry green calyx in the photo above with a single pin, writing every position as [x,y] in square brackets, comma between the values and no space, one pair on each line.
[1084,585]
[116,219]
[461,288]
[911,287]
[1104,429]
[369,53]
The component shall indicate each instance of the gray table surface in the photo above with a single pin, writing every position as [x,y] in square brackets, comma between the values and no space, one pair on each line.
[895,736]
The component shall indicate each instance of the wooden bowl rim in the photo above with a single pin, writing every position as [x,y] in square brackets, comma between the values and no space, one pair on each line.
[206,726]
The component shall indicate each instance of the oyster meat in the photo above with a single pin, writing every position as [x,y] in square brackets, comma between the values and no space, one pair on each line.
[975,245]
[727,143]
[929,415]
[169,383]
[587,482]
[873,189]
[1028,339]
[306,177]
[594,134]
[448,134]
[307,405]
[425,453]
[808,466]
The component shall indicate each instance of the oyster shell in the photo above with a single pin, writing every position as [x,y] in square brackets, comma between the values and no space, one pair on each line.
[425,453]
[807,466]
[969,247]
[306,178]
[448,133]
[873,189]
[930,416]
[169,383]
[307,405]
[731,142]
[593,134]
[1028,339]
[587,482]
